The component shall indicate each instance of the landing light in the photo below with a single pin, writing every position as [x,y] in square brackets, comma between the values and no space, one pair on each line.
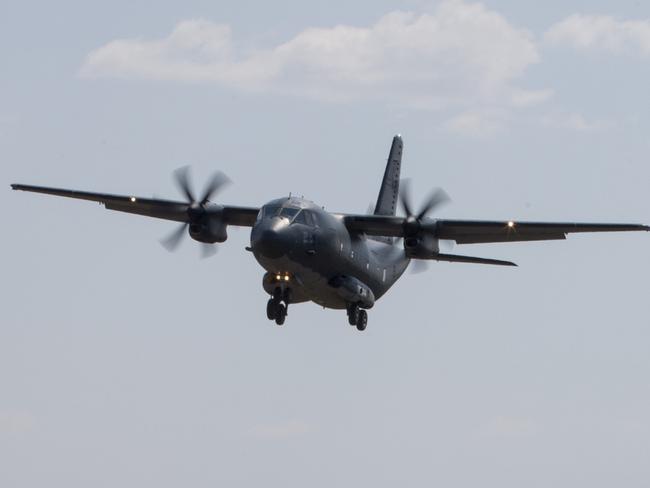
[133,199]
[511,224]
[286,278]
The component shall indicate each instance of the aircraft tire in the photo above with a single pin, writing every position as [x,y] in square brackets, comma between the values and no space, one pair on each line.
[363,320]
[353,314]
[271,309]
[280,314]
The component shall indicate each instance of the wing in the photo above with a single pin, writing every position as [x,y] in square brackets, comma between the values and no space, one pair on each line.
[150,207]
[480,231]
[477,231]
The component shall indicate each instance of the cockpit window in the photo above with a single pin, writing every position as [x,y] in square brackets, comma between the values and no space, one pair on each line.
[300,218]
[271,211]
[289,212]
[311,218]
[277,211]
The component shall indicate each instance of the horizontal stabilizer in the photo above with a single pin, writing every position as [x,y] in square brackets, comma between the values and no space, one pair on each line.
[455,258]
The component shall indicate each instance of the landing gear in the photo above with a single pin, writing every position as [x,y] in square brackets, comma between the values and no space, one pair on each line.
[280,314]
[271,309]
[353,314]
[275,309]
[363,320]
[357,317]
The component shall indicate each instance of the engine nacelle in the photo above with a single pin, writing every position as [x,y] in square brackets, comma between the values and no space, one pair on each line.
[421,246]
[210,227]
[353,291]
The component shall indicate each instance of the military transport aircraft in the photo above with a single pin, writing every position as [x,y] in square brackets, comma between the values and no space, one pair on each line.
[340,261]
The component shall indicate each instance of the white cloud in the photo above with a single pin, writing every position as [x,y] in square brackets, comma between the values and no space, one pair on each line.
[527,98]
[477,123]
[574,122]
[459,55]
[601,32]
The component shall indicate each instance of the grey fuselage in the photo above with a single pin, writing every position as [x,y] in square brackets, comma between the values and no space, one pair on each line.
[307,249]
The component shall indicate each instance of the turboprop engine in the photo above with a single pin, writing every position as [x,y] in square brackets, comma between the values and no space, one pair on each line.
[421,246]
[204,221]
[208,226]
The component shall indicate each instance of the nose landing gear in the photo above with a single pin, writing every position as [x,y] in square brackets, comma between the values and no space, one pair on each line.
[357,316]
[275,309]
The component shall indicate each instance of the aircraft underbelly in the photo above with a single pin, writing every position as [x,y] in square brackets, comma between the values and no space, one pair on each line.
[306,282]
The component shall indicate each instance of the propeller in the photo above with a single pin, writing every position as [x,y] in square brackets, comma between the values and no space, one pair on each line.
[418,266]
[195,208]
[413,223]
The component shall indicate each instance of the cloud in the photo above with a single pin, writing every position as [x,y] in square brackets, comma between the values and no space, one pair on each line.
[459,55]
[602,33]
[478,124]
[574,122]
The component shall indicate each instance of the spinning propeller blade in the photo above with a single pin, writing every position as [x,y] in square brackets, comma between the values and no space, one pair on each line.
[195,208]
[413,222]
[172,241]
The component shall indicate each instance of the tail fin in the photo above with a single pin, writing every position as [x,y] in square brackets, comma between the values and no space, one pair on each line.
[387,199]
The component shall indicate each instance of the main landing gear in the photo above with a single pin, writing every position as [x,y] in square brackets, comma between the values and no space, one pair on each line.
[275,309]
[357,316]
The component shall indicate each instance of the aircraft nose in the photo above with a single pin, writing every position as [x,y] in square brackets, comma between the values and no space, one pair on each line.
[269,241]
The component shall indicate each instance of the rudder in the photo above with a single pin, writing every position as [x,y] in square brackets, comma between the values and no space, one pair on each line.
[387,199]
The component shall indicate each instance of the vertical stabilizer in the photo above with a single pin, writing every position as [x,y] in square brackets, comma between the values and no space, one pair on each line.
[387,199]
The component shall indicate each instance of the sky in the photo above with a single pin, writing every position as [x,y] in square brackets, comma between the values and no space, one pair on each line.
[124,365]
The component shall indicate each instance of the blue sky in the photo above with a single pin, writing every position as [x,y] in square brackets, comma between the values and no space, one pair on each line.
[124,365]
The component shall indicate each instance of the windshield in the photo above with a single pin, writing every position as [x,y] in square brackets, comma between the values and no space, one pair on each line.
[289,213]
[285,212]
[271,211]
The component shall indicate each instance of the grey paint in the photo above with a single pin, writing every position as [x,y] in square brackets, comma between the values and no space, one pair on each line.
[325,257]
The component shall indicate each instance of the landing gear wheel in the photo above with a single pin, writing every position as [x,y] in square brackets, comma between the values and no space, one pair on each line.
[280,314]
[362,322]
[353,314]
[271,309]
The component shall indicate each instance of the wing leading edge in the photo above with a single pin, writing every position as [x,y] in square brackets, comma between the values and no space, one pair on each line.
[149,207]
[478,232]
[482,231]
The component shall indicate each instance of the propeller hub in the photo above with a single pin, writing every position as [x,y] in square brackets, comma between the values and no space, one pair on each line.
[411,225]
[195,211]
